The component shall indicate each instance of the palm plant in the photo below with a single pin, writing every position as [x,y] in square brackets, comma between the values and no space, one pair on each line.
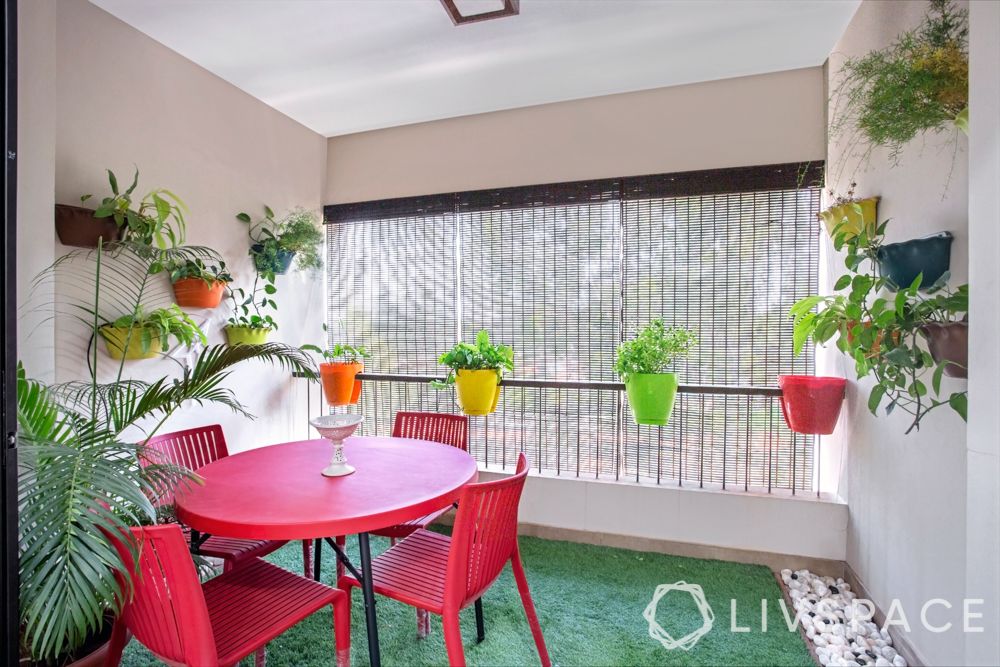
[80,477]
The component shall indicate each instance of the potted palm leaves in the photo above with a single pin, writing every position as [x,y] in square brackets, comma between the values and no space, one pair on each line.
[642,363]
[79,473]
[476,371]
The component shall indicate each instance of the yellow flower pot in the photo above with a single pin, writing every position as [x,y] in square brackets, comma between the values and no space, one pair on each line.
[115,337]
[478,391]
[246,336]
[834,215]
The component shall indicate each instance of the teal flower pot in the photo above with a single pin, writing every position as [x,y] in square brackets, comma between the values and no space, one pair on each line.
[279,266]
[902,262]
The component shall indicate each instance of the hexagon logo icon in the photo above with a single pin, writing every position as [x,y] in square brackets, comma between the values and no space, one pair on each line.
[657,632]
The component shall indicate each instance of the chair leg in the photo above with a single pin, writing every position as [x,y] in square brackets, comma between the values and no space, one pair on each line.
[307,557]
[480,624]
[342,628]
[453,639]
[116,646]
[529,607]
[260,657]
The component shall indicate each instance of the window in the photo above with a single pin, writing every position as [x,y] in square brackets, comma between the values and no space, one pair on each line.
[563,273]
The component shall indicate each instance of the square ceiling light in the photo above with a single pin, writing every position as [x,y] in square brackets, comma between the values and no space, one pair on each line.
[471,11]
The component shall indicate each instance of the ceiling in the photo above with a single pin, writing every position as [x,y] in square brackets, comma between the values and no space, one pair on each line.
[343,66]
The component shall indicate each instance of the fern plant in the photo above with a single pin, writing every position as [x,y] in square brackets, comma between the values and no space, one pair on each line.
[80,477]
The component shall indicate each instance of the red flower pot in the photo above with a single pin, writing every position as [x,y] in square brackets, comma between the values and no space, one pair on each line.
[811,404]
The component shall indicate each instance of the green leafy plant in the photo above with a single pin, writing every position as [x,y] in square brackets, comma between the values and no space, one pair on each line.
[162,324]
[249,307]
[196,268]
[159,220]
[339,351]
[484,355]
[298,232]
[79,475]
[883,332]
[653,349]
[919,83]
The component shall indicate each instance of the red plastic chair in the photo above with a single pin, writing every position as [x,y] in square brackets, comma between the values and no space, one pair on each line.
[222,621]
[437,427]
[444,575]
[192,449]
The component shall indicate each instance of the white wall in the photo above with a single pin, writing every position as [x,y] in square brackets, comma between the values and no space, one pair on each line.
[123,99]
[906,493]
[983,456]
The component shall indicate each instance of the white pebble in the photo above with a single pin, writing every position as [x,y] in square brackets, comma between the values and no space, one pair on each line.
[898,661]
[882,662]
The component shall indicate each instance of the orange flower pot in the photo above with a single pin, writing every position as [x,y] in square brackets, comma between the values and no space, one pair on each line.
[340,384]
[196,293]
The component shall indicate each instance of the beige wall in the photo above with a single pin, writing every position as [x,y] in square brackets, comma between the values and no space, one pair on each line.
[765,119]
[126,100]
[36,148]
[906,493]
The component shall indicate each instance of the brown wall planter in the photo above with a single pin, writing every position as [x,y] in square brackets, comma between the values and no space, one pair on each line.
[77,226]
[340,384]
[196,293]
[949,342]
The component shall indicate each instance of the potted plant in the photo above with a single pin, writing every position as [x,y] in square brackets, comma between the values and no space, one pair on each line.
[918,84]
[79,477]
[883,333]
[476,371]
[810,403]
[277,242]
[642,364]
[142,335]
[338,373]
[947,330]
[849,214]
[197,285]
[249,323]
[158,221]
[928,257]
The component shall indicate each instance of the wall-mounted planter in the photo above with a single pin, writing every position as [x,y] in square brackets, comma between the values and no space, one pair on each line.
[121,344]
[280,264]
[868,217]
[340,383]
[478,391]
[811,404]
[949,342]
[651,396]
[902,262]
[196,293]
[77,226]
[246,335]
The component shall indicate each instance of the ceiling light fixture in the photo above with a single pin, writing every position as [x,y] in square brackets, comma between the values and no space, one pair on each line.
[510,8]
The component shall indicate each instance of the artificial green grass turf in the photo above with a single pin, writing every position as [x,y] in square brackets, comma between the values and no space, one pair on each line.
[590,601]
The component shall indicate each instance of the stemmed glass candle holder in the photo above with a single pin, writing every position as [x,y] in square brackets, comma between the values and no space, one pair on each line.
[335,428]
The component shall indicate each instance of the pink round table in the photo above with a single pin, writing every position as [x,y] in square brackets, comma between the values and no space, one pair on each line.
[278,493]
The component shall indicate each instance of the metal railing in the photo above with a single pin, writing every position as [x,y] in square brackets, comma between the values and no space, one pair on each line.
[724,437]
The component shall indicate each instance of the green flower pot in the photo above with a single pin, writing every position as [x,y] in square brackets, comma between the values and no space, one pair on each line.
[246,336]
[651,396]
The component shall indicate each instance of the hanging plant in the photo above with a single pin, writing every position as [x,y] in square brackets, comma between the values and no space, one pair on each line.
[885,333]
[276,242]
[917,84]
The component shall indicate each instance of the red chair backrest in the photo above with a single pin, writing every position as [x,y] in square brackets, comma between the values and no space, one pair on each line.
[166,610]
[434,426]
[192,449]
[484,536]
